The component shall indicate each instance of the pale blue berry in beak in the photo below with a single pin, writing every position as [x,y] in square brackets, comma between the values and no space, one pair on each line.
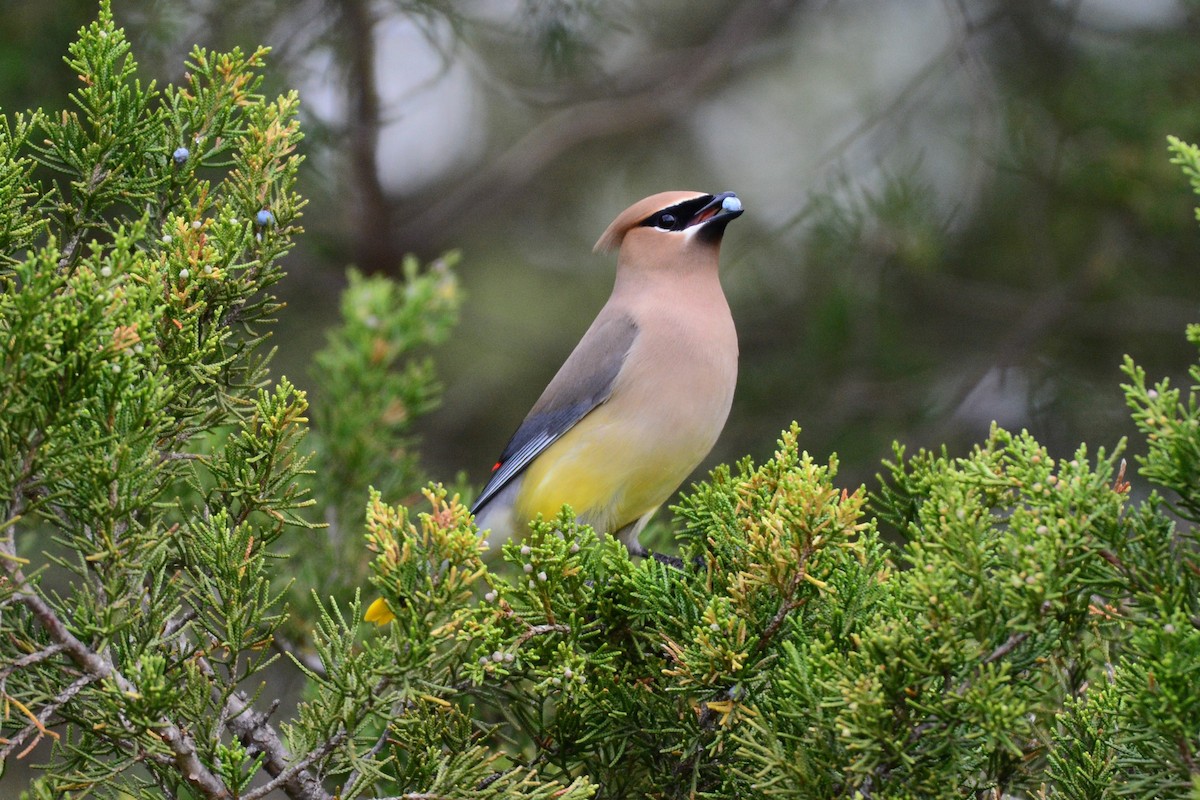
[731,203]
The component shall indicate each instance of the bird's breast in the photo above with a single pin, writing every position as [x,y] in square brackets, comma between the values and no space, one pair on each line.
[667,408]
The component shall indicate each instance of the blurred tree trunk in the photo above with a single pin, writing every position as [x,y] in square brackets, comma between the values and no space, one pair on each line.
[374,245]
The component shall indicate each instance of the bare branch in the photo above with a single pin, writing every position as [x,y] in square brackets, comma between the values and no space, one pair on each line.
[374,240]
[1010,644]
[31,659]
[252,730]
[293,772]
[540,630]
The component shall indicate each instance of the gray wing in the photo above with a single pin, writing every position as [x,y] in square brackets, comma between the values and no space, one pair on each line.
[583,382]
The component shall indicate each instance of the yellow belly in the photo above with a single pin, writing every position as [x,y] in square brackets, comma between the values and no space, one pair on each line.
[610,474]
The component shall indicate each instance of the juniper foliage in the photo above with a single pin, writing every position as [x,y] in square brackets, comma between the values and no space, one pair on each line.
[1033,632]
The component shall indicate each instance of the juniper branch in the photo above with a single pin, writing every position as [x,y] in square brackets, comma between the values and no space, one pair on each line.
[253,730]
[287,776]
[41,720]
[97,667]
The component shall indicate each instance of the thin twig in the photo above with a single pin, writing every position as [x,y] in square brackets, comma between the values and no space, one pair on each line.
[376,749]
[71,247]
[310,661]
[37,722]
[1009,645]
[539,630]
[31,659]
[312,757]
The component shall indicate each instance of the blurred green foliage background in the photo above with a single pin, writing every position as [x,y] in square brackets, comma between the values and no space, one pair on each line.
[957,210]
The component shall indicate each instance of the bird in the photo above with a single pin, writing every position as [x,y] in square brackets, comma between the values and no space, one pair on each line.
[642,398]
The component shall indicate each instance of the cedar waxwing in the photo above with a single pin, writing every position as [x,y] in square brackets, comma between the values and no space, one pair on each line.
[642,398]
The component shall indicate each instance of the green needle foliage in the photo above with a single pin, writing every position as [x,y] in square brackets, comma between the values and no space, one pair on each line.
[169,528]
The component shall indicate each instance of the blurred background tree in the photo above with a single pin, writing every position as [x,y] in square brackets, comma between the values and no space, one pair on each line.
[959,211]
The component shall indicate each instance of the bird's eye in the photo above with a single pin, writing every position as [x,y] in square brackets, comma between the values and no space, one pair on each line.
[666,221]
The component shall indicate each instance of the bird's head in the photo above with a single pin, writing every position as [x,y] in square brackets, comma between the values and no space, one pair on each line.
[671,222]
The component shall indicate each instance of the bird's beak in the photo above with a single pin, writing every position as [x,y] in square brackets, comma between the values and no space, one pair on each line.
[723,207]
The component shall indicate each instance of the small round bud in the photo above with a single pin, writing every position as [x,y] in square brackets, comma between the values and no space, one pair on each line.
[497,656]
[116,367]
[183,273]
[264,218]
[568,673]
[483,659]
[137,348]
[196,224]
[233,220]
[525,550]
[105,272]
[180,155]
[509,658]
[528,568]
[490,596]
[574,547]
[542,576]
[485,544]
[167,239]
